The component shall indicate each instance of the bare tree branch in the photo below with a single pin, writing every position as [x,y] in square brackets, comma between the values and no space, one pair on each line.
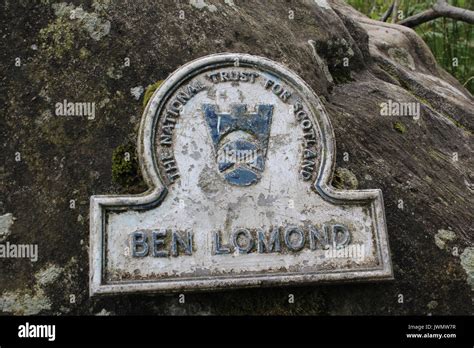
[395,11]
[440,9]
[387,13]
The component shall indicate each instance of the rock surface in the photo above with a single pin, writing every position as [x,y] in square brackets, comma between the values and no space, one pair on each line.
[101,52]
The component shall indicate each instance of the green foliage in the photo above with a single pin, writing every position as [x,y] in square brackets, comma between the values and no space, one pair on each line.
[448,39]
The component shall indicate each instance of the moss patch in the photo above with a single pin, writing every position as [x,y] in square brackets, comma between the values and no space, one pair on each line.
[125,165]
[344,179]
[150,90]
[399,127]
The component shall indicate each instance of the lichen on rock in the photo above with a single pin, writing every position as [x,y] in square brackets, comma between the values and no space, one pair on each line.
[58,38]
[91,22]
[48,275]
[202,4]
[444,236]
[24,302]
[402,56]
[31,301]
[6,222]
[137,92]
[467,262]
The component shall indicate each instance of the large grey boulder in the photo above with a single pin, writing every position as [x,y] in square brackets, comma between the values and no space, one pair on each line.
[109,52]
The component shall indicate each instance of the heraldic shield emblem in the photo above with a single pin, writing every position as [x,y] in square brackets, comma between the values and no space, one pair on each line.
[240,141]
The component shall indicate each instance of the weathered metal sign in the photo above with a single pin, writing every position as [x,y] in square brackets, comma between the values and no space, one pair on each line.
[238,153]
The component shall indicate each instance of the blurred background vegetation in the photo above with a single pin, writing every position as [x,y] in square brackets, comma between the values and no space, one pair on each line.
[447,38]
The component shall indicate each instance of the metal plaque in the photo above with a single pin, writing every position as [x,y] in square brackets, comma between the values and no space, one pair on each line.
[238,153]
